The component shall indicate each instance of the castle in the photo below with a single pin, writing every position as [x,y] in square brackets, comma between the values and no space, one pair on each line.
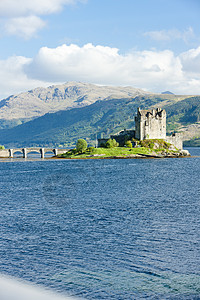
[149,124]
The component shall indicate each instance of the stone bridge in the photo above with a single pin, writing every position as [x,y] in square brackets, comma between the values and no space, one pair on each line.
[9,153]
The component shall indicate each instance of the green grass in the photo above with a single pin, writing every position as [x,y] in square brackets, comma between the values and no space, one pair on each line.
[113,152]
[107,152]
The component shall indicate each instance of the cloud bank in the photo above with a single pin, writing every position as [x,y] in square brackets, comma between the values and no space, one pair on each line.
[154,71]
[23,17]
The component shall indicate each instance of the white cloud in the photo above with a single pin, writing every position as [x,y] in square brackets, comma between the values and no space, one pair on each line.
[104,65]
[70,62]
[155,71]
[20,8]
[170,35]
[23,17]
[24,27]
[191,61]
[13,79]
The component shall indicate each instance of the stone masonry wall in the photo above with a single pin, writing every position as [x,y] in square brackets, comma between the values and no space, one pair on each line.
[4,153]
[176,140]
[150,124]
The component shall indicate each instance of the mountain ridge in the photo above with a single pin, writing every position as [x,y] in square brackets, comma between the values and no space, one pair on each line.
[39,101]
[102,118]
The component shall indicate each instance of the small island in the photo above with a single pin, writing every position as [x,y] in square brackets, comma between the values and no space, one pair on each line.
[148,140]
[145,149]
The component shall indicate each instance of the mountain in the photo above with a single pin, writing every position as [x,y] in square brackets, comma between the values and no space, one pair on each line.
[167,93]
[102,118]
[65,127]
[21,108]
[184,116]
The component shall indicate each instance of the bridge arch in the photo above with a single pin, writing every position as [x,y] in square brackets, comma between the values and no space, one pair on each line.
[13,152]
[50,150]
[32,150]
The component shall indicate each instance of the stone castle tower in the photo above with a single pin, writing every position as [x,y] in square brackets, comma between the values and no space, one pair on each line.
[150,124]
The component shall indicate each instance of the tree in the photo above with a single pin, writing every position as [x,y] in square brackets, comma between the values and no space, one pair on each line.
[128,144]
[111,143]
[2,147]
[81,146]
[91,149]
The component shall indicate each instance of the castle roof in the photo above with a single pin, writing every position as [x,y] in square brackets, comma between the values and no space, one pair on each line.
[153,112]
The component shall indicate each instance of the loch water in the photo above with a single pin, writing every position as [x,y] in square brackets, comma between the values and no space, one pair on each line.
[103,229]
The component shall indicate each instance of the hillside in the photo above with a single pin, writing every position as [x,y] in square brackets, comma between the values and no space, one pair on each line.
[21,108]
[67,126]
[184,117]
[102,118]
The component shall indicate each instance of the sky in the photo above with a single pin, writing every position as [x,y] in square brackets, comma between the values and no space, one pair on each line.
[149,44]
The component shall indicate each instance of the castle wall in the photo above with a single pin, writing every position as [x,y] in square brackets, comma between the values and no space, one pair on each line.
[176,140]
[150,124]
[102,142]
[155,127]
[123,136]
[137,127]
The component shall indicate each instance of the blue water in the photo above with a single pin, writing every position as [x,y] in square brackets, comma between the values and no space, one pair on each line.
[103,229]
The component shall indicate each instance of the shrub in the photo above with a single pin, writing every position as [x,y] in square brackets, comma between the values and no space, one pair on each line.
[91,149]
[111,143]
[2,147]
[115,143]
[147,144]
[129,144]
[81,146]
